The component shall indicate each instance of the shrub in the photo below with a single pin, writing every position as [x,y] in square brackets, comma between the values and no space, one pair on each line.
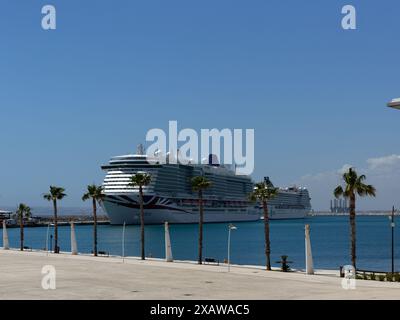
[372,276]
[381,277]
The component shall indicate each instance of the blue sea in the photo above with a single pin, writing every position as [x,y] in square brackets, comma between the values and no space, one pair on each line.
[329,240]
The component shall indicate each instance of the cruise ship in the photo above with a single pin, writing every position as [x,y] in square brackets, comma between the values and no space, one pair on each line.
[169,196]
[290,203]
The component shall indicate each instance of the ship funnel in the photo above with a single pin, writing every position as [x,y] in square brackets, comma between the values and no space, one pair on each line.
[213,160]
[268,182]
[140,150]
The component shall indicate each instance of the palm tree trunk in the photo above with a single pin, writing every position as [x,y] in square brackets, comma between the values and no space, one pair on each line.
[55,227]
[21,231]
[141,223]
[353,229]
[201,220]
[267,237]
[94,228]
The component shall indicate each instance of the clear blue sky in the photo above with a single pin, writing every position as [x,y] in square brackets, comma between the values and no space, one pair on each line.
[315,94]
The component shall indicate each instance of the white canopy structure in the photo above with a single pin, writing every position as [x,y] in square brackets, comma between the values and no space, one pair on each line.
[395,103]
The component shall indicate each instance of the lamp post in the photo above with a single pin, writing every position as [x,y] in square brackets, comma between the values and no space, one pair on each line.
[230,228]
[123,243]
[48,248]
[47,239]
[394,103]
[392,225]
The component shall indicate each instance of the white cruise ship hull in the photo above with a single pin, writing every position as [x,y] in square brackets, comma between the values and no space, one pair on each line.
[120,212]
[169,195]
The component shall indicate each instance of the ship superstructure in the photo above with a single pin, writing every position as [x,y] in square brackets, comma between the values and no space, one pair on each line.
[169,196]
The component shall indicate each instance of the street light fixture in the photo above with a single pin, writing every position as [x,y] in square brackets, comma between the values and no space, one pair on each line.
[230,228]
[395,103]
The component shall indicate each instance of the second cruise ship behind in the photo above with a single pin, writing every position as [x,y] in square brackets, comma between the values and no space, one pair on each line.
[169,196]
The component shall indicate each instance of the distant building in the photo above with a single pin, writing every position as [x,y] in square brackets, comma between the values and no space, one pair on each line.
[35,220]
[5,215]
[339,205]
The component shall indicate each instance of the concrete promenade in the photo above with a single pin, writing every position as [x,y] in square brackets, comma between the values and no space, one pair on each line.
[87,277]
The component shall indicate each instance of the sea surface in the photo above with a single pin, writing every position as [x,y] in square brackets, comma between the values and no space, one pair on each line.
[329,240]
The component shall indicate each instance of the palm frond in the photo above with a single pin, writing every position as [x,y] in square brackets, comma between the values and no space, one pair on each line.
[366,190]
[361,178]
[263,192]
[370,190]
[56,193]
[23,211]
[200,183]
[140,179]
[85,197]
[338,191]
[252,197]
[94,192]
[354,185]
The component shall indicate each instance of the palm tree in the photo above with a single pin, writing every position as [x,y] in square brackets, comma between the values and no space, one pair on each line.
[354,184]
[141,179]
[23,212]
[263,192]
[199,184]
[96,194]
[56,193]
